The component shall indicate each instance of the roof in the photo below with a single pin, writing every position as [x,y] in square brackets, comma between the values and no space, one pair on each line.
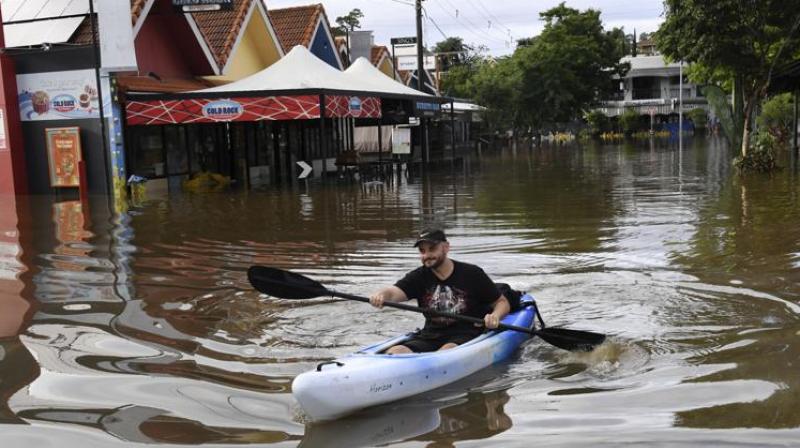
[137,6]
[299,69]
[296,26]
[133,83]
[53,31]
[645,42]
[648,62]
[220,29]
[369,78]
[376,54]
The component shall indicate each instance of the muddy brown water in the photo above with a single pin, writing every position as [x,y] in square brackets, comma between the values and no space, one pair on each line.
[141,327]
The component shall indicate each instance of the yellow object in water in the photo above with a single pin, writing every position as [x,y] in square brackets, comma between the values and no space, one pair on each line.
[206,182]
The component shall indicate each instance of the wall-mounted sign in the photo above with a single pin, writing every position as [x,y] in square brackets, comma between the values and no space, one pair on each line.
[403,40]
[64,155]
[425,109]
[352,106]
[65,95]
[409,62]
[201,110]
[203,5]
[223,110]
[355,106]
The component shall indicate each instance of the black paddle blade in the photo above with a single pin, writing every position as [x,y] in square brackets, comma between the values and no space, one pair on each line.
[284,284]
[572,340]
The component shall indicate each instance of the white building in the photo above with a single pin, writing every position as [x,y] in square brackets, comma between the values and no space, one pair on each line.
[652,86]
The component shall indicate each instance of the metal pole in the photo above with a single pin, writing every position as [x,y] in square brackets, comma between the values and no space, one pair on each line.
[380,148]
[453,132]
[103,132]
[680,107]
[420,66]
[394,64]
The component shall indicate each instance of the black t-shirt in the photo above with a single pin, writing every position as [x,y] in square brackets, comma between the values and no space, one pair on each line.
[468,290]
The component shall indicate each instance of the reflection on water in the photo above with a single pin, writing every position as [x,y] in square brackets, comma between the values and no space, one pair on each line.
[141,327]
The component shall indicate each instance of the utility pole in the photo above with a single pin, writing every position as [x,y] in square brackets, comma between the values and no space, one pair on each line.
[420,67]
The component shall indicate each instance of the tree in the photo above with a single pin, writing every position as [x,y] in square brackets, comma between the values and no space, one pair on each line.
[740,39]
[597,121]
[349,22]
[451,52]
[776,117]
[569,67]
[629,121]
[496,85]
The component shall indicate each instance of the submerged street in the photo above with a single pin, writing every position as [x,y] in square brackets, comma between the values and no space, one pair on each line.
[142,327]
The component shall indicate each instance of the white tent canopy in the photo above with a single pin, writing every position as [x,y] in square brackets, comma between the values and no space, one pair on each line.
[299,69]
[367,77]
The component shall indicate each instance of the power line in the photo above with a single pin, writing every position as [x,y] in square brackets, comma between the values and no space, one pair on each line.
[469,26]
[427,16]
[492,15]
[402,2]
[503,39]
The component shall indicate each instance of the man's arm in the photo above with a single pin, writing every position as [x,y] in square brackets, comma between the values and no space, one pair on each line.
[500,308]
[387,294]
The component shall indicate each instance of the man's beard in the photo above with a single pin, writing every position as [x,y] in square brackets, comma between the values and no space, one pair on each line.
[436,262]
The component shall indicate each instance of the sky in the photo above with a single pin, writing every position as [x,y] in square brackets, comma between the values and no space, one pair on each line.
[497,24]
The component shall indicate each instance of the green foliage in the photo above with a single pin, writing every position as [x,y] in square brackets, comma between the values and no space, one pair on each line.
[496,85]
[349,22]
[718,101]
[569,66]
[761,157]
[733,40]
[698,116]
[551,78]
[629,121]
[776,117]
[454,52]
[598,122]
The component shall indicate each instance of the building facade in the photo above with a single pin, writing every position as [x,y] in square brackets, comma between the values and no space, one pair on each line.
[653,87]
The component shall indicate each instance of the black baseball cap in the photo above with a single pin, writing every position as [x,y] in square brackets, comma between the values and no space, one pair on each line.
[434,236]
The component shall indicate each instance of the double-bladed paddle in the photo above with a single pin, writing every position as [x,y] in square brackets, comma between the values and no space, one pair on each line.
[289,285]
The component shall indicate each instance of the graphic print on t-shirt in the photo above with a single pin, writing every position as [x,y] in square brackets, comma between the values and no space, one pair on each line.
[445,298]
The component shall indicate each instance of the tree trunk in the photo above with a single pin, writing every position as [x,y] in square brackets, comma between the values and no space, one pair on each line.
[746,134]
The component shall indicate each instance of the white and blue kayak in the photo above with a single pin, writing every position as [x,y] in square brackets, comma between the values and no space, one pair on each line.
[370,377]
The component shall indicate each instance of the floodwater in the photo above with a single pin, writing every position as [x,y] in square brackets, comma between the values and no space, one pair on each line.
[142,328]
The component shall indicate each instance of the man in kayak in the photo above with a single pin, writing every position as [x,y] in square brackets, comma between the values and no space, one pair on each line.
[444,284]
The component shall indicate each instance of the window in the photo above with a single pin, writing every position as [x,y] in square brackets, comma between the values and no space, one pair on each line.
[147,155]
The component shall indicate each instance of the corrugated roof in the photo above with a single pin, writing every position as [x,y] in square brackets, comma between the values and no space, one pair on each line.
[221,28]
[296,26]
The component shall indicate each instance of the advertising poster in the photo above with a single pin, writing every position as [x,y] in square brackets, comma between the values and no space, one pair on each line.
[65,95]
[401,141]
[64,154]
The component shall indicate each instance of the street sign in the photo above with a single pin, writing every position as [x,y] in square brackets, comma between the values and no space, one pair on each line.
[410,62]
[203,5]
[403,40]
[306,169]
